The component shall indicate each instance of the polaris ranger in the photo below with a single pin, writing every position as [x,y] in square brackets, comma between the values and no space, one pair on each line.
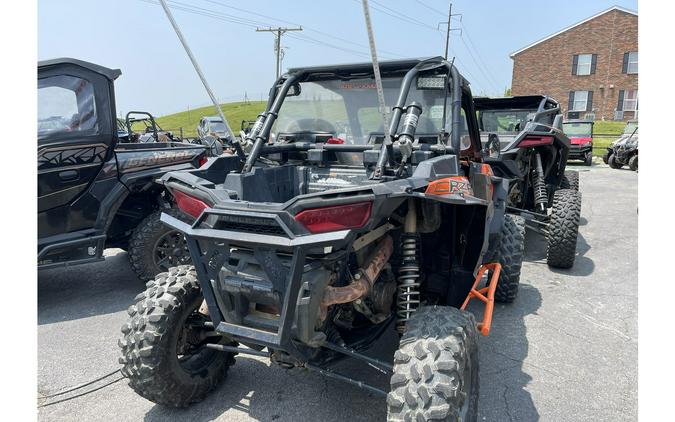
[328,234]
[95,192]
[524,142]
[580,134]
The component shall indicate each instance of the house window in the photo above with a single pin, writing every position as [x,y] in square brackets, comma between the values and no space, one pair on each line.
[581,101]
[630,100]
[630,62]
[584,64]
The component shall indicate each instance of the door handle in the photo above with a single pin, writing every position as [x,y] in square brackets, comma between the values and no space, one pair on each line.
[68,175]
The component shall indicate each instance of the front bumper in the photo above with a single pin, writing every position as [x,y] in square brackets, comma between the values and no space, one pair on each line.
[577,152]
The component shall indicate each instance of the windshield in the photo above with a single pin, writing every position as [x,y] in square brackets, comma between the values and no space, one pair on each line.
[504,121]
[630,127]
[348,109]
[217,127]
[578,129]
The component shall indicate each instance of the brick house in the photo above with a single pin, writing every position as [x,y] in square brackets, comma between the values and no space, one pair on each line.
[591,67]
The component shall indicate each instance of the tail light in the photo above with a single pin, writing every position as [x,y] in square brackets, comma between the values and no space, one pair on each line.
[335,141]
[202,160]
[340,217]
[535,141]
[189,204]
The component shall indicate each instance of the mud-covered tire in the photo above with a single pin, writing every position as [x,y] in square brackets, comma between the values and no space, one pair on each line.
[570,180]
[613,163]
[149,343]
[436,368]
[144,242]
[633,163]
[510,255]
[563,228]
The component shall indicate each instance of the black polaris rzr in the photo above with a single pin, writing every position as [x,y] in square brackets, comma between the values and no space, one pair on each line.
[624,151]
[326,235]
[94,190]
[526,145]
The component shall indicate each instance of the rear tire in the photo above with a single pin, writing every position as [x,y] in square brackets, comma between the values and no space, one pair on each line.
[613,163]
[633,163]
[436,368]
[563,228]
[511,258]
[155,247]
[155,334]
[570,180]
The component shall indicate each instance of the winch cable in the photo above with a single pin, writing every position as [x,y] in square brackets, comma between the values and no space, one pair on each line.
[376,71]
[70,390]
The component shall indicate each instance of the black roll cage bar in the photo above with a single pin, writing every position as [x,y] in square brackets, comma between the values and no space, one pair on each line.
[261,129]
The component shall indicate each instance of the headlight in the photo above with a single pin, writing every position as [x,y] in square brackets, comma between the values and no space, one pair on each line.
[586,144]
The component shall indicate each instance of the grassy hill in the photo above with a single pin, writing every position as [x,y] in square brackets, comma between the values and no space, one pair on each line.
[188,120]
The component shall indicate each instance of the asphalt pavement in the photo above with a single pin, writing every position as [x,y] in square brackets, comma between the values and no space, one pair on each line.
[566,350]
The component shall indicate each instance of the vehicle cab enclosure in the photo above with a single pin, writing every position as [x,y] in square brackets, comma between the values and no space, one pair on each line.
[521,125]
[91,190]
[213,126]
[323,189]
[580,133]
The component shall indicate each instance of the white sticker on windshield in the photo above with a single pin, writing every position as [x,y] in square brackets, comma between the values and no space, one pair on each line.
[436,112]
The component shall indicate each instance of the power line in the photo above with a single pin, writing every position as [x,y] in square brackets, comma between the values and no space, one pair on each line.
[305,27]
[430,8]
[255,24]
[477,51]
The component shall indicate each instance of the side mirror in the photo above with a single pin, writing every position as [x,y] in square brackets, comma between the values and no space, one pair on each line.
[492,147]
[294,90]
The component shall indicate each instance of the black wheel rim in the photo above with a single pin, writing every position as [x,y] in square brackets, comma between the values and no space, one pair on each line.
[171,250]
[191,352]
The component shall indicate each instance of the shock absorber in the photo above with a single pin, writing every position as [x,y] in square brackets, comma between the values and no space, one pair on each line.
[408,297]
[539,185]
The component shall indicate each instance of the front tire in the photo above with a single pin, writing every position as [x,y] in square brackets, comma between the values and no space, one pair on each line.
[605,157]
[436,368]
[159,329]
[588,160]
[563,228]
[511,258]
[613,163]
[155,247]
[633,163]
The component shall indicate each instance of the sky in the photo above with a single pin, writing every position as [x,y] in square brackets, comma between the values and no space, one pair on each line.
[136,37]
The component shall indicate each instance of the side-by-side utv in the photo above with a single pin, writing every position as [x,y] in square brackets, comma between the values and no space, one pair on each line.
[523,137]
[327,234]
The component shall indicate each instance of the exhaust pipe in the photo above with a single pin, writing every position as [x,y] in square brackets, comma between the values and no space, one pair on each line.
[363,280]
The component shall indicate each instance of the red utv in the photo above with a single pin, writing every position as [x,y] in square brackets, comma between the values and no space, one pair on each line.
[580,133]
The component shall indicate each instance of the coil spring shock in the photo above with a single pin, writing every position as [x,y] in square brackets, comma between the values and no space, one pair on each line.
[539,185]
[408,289]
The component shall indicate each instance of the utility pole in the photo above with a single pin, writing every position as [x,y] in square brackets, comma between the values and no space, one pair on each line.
[447,33]
[278,32]
[230,134]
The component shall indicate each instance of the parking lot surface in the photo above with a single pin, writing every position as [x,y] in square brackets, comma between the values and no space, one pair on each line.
[566,350]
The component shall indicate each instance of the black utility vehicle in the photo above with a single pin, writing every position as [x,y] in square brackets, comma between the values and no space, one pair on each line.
[523,137]
[624,151]
[151,131]
[95,192]
[327,235]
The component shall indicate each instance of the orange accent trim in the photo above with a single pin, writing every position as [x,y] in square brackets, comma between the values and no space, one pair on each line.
[450,185]
[485,295]
[486,169]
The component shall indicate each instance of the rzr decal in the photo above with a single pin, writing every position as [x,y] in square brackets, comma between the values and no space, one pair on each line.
[455,185]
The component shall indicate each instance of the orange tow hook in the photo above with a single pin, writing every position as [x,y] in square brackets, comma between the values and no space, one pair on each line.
[485,295]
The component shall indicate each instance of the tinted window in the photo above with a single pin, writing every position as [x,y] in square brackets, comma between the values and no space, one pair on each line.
[66,104]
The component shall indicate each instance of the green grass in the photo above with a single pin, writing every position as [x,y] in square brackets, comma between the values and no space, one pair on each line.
[188,120]
[600,143]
